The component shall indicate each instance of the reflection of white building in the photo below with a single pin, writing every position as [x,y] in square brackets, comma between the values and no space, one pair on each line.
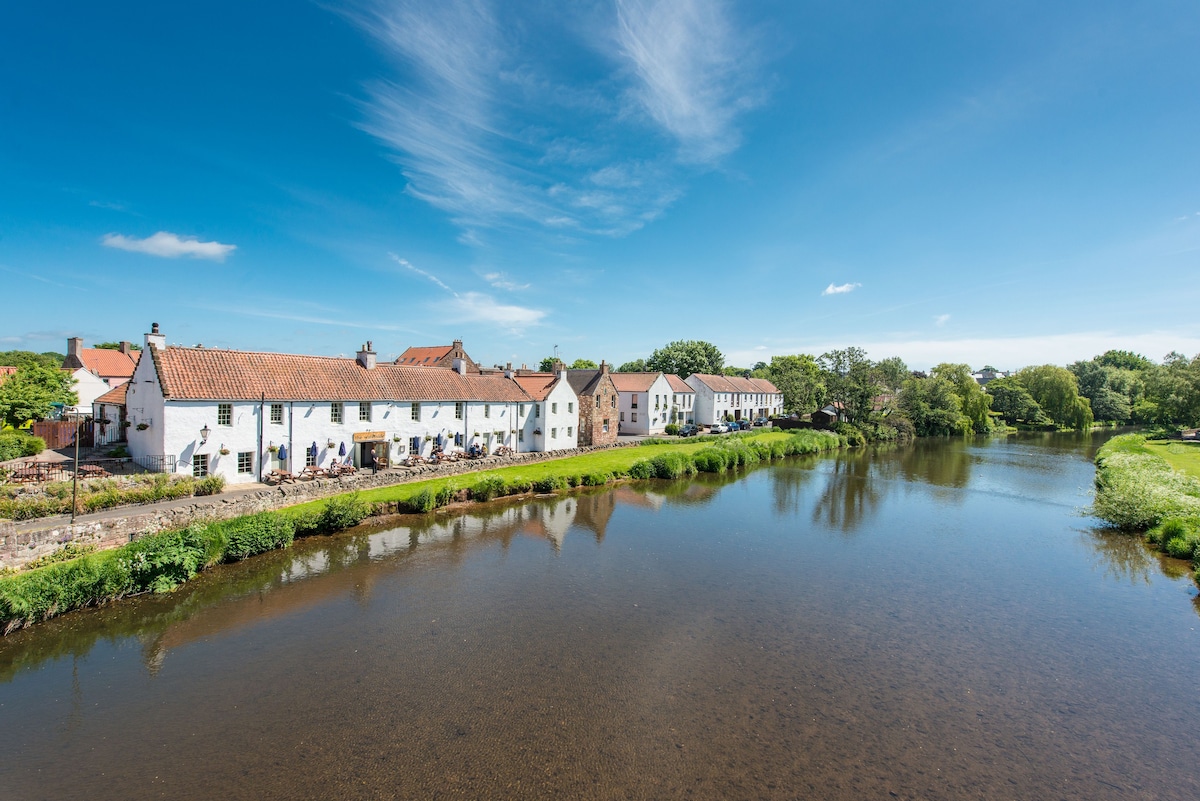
[241,414]
[645,402]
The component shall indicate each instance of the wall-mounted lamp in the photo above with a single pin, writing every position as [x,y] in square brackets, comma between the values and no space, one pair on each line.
[204,432]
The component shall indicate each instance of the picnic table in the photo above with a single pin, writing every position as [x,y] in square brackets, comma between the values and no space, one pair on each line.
[279,477]
[32,472]
[92,471]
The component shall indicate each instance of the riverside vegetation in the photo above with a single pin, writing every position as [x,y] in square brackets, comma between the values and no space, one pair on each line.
[161,562]
[1137,489]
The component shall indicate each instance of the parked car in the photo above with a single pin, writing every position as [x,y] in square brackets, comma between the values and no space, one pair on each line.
[739,425]
[688,430]
[718,428]
[762,421]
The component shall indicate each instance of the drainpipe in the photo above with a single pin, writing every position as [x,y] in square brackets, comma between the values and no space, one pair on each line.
[262,401]
[291,446]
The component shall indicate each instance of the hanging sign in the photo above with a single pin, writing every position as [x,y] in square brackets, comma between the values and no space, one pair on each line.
[370,436]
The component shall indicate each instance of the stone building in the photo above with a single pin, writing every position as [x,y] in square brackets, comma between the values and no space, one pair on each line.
[598,405]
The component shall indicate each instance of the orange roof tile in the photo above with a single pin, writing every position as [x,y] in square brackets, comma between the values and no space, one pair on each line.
[115,396]
[7,370]
[678,384]
[717,383]
[107,363]
[634,382]
[764,385]
[424,356]
[537,385]
[215,374]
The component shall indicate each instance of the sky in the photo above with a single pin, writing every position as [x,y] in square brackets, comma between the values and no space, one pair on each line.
[1003,183]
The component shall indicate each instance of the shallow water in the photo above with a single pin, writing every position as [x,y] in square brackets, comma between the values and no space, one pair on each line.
[938,621]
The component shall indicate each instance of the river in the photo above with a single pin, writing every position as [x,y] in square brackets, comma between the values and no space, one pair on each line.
[940,621]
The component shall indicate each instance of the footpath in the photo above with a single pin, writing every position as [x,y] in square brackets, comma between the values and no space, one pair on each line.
[22,542]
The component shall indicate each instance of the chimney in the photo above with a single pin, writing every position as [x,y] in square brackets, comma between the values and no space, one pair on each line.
[604,367]
[457,347]
[75,350]
[126,348]
[155,339]
[460,366]
[366,356]
[558,367]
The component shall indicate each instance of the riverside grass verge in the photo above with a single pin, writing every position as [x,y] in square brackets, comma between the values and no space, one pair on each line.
[161,562]
[1137,489]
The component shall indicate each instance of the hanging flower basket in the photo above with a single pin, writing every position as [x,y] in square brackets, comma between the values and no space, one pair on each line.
[395,439]
[224,451]
[125,424]
[142,426]
[428,438]
[537,431]
[273,448]
[329,444]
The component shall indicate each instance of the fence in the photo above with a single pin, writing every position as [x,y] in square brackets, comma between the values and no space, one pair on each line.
[33,471]
[157,464]
[61,433]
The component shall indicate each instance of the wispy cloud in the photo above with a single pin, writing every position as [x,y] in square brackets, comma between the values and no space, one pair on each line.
[941,319]
[502,281]
[481,307]
[427,275]
[839,289]
[692,68]
[107,204]
[489,130]
[170,246]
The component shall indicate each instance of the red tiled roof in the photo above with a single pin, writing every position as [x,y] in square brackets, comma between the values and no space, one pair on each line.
[764,385]
[424,356]
[115,396]
[634,382]
[717,383]
[678,384]
[215,374]
[7,370]
[107,363]
[537,385]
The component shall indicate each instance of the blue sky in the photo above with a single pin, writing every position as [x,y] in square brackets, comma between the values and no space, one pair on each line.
[989,182]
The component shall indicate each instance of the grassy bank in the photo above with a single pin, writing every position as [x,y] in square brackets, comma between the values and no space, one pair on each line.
[1184,457]
[1138,489]
[160,562]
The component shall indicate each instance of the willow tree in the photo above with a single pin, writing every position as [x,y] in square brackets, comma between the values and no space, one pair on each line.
[1057,392]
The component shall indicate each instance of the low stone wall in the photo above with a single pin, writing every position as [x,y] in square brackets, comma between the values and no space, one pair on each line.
[21,543]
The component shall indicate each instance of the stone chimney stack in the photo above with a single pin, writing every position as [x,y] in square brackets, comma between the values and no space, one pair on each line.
[75,350]
[558,367]
[126,348]
[457,346]
[366,356]
[604,367]
[155,339]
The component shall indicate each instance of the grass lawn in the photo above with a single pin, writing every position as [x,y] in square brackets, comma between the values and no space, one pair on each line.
[1183,456]
[614,460]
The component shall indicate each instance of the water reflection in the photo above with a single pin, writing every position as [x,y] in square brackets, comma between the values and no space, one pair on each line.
[1122,556]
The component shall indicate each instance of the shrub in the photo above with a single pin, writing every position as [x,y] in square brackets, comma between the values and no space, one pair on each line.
[15,444]
[672,465]
[161,562]
[247,536]
[853,436]
[671,429]
[596,479]
[445,495]
[711,460]
[1182,547]
[306,522]
[487,488]
[1139,490]
[550,484]
[517,487]
[210,485]
[642,468]
[70,550]
[342,512]
[37,595]
[421,502]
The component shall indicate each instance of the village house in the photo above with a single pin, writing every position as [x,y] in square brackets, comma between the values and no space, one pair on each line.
[598,401]
[720,398]
[108,416]
[554,422]
[204,411]
[644,402]
[97,370]
[438,356]
[683,400]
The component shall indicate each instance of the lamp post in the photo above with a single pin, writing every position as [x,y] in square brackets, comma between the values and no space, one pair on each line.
[75,473]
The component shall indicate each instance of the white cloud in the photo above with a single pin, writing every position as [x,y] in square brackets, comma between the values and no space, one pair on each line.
[941,319]
[502,281]
[692,69]
[839,289]
[430,276]
[170,246]
[479,307]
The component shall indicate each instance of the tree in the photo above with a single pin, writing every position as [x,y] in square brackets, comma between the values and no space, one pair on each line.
[583,364]
[1124,359]
[635,366]
[18,358]
[1057,392]
[1014,403]
[933,406]
[31,392]
[892,373]
[546,365]
[740,372]
[850,380]
[800,380]
[684,357]
[116,346]
[975,403]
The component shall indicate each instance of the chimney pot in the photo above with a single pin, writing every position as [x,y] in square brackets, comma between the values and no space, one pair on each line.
[153,328]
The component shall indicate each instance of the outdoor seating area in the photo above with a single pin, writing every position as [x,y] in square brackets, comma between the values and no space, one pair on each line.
[40,471]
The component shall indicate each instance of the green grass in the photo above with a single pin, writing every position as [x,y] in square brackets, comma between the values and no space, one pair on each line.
[615,461]
[1183,456]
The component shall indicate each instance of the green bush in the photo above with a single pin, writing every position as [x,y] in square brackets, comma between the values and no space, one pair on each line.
[518,487]
[1182,547]
[15,444]
[487,488]
[445,495]
[210,485]
[671,429]
[672,465]
[642,468]
[255,534]
[37,595]
[853,436]
[306,521]
[342,512]
[596,479]
[1136,489]
[423,501]
[68,551]
[161,562]
[711,460]
[550,484]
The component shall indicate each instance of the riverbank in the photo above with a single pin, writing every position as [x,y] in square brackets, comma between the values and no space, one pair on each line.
[1138,489]
[162,561]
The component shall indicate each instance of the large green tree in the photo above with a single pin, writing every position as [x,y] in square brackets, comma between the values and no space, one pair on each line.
[933,406]
[116,346]
[1057,392]
[850,380]
[800,380]
[892,373]
[583,364]
[1014,403]
[635,366]
[31,392]
[975,403]
[18,358]
[684,357]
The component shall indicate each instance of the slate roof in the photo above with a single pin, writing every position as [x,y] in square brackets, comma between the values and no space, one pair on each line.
[115,396]
[583,381]
[678,384]
[103,362]
[634,382]
[216,374]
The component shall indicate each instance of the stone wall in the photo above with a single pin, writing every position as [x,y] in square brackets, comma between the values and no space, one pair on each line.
[591,419]
[23,542]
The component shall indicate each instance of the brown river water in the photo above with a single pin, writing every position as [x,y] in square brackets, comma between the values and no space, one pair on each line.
[940,621]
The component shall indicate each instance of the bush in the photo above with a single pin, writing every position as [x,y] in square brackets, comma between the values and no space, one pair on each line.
[853,436]
[423,501]
[247,536]
[210,485]
[596,479]
[671,429]
[550,484]
[1136,489]
[672,465]
[642,468]
[342,512]
[306,522]
[70,550]
[15,444]
[37,595]
[711,460]
[161,562]
[487,488]
[445,495]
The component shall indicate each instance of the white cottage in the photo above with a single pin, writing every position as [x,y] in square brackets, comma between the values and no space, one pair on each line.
[683,400]
[644,401]
[553,424]
[240,414]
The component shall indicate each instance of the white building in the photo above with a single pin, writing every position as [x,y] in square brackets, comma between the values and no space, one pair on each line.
[720,398]
[108,415]
[644,400]
[683,400]
[553,424]
[240,414]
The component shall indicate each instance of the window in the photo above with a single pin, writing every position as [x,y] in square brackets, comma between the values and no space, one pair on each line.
[520,410]
[414,444]
[199,465]
[634,404]
[416,411]
[605,429]
[554,433]
[277,414]
[520,435]
[335,412]
[246,461]
[597,401]
[364,410]
[570,431]
[633,417]
[224,414]
[554,408]
[458,410]
[614,401]
[571,407]
[487,410]
[310,458]
[458,439]
[537,411]
[622,417]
